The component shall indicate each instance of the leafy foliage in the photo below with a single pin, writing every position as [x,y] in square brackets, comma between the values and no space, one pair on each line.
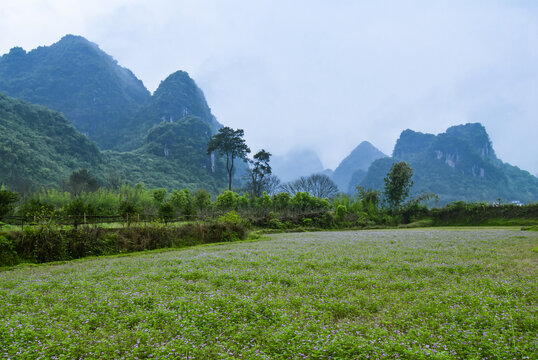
[7,201]
[229,143]
[39,146]
[398,183]
[258,174]
[81,181]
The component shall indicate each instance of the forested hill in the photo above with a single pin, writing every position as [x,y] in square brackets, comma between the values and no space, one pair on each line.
[157,140]
[39,146]
[75,77]
[176,97]
[174,156]
[459,164]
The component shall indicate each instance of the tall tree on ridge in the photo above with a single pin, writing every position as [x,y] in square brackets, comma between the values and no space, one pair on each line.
[230,143]
[257,174]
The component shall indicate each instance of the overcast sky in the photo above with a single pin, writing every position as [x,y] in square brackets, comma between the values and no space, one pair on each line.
[323,75]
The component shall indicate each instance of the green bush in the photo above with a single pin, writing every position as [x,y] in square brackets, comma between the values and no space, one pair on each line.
[128,209]
[167,211]
[7,201]
[44,244]
[201,200]
[36,209]
[231,218]
[275,224]
[341,211]
[227,200]
[8,255]
[230,227]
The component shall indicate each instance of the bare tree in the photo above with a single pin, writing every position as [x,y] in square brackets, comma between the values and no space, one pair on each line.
[271,184]
[321,186]
[318,185]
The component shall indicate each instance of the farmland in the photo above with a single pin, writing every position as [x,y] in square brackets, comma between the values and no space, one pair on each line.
[432,294]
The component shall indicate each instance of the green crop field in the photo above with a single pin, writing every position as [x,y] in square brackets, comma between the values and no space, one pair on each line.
[413,294]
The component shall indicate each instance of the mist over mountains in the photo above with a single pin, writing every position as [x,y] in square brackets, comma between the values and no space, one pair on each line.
[353,168]
[158,139]
[113,126]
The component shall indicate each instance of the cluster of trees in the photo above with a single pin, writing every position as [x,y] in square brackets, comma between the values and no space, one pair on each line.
[262,192]
[230,144]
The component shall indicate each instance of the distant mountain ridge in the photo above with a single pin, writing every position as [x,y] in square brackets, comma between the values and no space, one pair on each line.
[296,163]
[163,136]
[355,165]
[459,164]
[104,101]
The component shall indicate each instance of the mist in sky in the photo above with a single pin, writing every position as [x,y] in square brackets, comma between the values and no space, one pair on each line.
[323,75]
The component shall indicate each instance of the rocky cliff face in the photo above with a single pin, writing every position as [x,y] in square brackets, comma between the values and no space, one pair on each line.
[459,164]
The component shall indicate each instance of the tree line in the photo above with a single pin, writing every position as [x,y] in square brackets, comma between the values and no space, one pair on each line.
[261,197]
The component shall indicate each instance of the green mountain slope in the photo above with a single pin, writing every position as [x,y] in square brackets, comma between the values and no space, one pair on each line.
[173,156]
[75,77]
[39,147]
[163,137]
[457,165]
[176,97]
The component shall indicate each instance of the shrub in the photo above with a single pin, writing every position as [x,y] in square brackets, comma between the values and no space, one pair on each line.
[231,218]
[201,200]
[182,200]
[341,211]
[128,209]
[227,200]
[44,244]
[8,255]
[281,201]
[159,195]
[167,211]
[36,209]
[7,201]
[275,224]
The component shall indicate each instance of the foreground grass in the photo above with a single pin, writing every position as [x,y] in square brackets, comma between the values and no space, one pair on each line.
[432,294]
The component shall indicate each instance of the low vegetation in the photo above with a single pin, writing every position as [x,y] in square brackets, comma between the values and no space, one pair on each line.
[52,225]
[384,294]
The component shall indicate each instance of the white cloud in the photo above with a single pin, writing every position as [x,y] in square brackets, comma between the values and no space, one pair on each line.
[319,74]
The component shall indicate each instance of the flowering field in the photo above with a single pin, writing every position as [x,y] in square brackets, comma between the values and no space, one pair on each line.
[421,294]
